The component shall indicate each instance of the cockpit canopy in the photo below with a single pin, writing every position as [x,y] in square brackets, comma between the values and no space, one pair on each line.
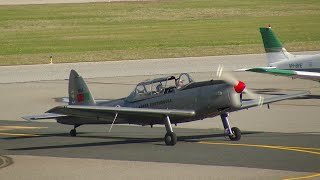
[159,86]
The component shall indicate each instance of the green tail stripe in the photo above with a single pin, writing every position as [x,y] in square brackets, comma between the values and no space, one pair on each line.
[270,41]
[273,71]
[87,97]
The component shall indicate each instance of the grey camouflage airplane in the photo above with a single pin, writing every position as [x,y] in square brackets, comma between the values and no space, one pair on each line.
[168,100]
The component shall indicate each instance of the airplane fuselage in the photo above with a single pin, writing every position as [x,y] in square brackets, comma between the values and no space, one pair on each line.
[309,63]
[207,99]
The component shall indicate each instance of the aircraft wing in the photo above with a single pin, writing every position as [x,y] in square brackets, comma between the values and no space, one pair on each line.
[288,73]
[43,116]
[268,100]
[106,111]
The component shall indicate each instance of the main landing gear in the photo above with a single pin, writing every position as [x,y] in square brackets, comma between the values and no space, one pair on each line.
[170,138]
[73,132]
[233,133]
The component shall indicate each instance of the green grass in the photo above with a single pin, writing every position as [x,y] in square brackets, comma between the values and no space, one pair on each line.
[30,34]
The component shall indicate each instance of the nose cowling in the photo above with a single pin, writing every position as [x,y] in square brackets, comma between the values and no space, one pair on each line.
[239,87]
[234,98]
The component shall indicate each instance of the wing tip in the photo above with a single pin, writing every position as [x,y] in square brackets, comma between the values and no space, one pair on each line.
[26,118]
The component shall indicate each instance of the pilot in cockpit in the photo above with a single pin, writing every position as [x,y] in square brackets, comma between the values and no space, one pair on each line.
[180,84]
[159,88]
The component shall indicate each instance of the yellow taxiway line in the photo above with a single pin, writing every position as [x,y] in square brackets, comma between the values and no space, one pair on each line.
[286,148]
[9,128]
[297,149]
[14,134]
[304,177]
[6,128]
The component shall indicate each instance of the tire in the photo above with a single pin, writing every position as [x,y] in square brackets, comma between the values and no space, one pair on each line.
[73,132]
[170,138]
[236,134]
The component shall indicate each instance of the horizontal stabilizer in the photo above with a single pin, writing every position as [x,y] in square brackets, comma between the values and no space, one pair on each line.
[44,116]
[282,72]
[288,73]
[253,69]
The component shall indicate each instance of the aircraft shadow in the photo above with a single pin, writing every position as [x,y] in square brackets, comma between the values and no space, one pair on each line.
[121,141]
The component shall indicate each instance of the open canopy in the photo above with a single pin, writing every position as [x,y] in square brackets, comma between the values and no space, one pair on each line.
[159,86]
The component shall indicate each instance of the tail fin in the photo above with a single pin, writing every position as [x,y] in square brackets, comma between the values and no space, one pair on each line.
[79,93]
[274,50]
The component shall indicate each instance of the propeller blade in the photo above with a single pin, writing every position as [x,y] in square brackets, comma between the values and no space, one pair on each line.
[226,76]
[239,86]
[253,95]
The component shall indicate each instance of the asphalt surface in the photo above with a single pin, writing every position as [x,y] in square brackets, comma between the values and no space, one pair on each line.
[280,143]
[274,151]
[32,73]
[277,143]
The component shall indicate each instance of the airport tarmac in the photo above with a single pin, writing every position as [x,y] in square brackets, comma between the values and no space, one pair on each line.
[199,154]
[278,143]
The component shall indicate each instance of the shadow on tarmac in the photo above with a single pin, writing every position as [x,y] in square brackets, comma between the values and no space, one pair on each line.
[119,140]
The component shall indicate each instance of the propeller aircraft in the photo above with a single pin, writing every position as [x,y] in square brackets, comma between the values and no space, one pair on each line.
[283,63]
[167,100]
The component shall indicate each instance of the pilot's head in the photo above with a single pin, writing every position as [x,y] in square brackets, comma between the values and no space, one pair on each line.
[159,87]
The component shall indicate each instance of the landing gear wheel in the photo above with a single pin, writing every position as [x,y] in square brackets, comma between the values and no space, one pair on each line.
[236,136]
[73,132]
[170,138]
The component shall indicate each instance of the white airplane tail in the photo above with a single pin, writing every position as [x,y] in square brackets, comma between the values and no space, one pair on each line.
[275,52]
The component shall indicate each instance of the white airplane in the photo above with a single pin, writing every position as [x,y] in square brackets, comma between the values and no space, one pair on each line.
[283,63]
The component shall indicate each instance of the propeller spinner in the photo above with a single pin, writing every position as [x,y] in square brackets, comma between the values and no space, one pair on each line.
[239,86]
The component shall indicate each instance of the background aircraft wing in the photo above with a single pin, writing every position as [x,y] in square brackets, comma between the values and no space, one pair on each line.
[128,112]
[288,73]
[268,100]
[44,116]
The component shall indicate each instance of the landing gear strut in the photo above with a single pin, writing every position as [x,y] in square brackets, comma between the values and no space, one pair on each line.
[170,138]
[233,133]
[73,132]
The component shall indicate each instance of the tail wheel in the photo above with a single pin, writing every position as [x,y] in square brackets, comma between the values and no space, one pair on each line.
[170,138]
[73,132]
[236,136]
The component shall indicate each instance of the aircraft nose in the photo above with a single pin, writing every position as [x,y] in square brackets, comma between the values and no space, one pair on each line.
[239,87]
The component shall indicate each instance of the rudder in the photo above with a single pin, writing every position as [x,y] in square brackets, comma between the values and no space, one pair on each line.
[271,42]
[79,93]
[274,50]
